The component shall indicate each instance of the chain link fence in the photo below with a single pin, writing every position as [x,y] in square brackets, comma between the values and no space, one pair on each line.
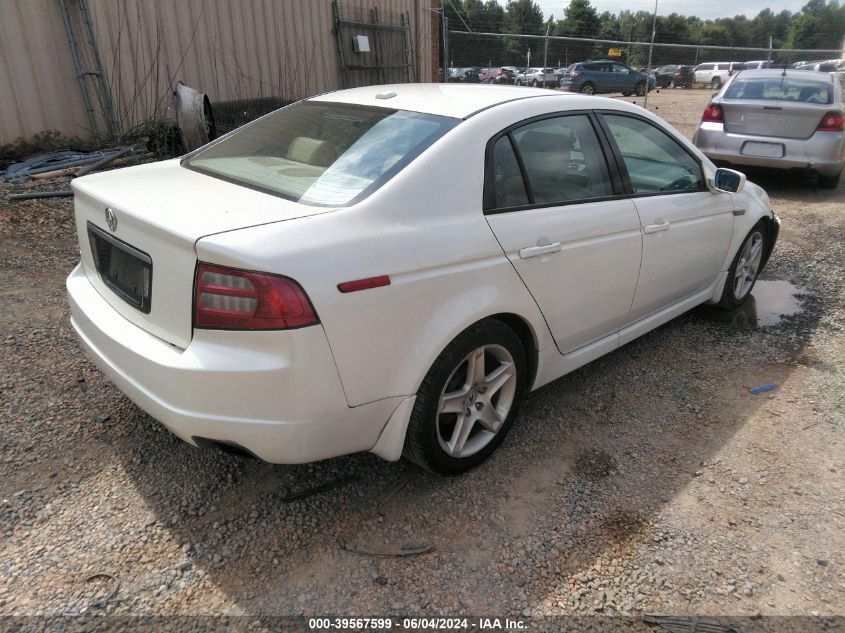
[680,77]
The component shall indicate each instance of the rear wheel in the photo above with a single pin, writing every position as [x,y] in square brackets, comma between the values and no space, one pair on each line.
[640,89]
[534,83]
[715,83]
[745,268]
[672,84]
[829,182]
[468,400]
[588,89]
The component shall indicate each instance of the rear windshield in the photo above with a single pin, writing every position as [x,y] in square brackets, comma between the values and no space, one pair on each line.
[322,154]
[781,89]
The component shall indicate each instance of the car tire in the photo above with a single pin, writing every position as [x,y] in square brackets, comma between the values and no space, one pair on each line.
[829,182]
[745,268]
[534,83]
[626,94]
[588,89]
[456,371]
[640,89]
[716,83]
[672,84]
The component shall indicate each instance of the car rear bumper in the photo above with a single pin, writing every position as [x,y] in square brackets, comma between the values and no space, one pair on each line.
[822,152]
[275,394]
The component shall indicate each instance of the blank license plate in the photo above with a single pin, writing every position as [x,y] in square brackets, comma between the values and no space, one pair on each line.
[765,150]
[127,271]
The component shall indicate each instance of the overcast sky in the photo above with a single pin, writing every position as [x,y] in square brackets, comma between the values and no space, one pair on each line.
[707,9]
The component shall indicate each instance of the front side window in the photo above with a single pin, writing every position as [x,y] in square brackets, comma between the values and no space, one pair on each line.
[562,159]
[619,68]
[322,153]
[656,163]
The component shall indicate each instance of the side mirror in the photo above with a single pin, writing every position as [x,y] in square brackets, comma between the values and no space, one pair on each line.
[728,180]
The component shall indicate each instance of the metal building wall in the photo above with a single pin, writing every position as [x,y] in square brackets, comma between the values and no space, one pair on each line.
[38,86]
[229,49]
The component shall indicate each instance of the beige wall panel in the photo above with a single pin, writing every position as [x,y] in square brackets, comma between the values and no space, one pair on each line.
[229,49]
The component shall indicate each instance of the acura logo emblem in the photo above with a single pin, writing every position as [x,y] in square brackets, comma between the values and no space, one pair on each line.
[111,219]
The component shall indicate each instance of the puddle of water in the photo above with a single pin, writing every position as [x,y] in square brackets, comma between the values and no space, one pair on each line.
[771,300]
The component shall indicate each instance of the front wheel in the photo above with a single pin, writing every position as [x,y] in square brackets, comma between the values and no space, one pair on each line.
[672,84]
[588,89]
[745,268]
[640,89]
[468,400]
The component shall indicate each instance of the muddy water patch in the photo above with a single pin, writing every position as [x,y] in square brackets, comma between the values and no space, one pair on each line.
[770,301]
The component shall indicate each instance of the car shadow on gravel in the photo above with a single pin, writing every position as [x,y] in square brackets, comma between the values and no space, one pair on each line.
[590,463]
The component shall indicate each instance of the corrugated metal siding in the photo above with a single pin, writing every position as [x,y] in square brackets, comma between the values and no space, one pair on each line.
[229,49]
[40,91]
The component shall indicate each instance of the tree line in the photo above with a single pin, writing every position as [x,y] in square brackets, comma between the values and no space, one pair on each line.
[819,25]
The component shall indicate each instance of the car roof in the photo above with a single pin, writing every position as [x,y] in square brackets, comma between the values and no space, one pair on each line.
[762,73]
[452,100]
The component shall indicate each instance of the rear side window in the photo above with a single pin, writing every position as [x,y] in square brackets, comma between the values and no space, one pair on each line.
[562,159]
[705,67]
[781,89]
[321,153]
[507,177]
[656,163]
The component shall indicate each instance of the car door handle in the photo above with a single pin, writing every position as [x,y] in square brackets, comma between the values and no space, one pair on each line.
[654,228]
[536,251]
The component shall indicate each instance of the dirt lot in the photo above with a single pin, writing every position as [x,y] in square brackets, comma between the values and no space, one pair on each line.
[648,481]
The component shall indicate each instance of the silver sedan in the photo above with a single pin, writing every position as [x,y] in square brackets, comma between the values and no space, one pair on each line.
[776,118]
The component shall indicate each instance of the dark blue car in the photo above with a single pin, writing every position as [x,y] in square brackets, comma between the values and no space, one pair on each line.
[595,77]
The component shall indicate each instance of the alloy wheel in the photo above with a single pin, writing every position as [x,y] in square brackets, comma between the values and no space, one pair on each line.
[476,400]
[748,265]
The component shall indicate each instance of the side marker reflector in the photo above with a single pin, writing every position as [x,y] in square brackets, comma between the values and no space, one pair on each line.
[364,284]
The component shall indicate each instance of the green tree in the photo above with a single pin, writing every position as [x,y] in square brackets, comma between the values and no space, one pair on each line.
[820,25]
[580,19]
[523,17]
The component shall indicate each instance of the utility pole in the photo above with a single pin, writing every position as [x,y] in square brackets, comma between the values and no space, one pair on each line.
[769,56]
[445,45]
[650,49]
[546,52]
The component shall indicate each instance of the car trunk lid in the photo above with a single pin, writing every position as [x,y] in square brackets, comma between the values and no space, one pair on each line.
[159,211]
[773,118]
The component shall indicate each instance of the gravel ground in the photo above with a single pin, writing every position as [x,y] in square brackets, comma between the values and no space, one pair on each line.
[648,481]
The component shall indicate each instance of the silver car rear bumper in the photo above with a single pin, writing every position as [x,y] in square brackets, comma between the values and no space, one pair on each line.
[824,152]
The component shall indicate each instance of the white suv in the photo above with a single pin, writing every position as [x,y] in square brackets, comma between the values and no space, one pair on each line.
[714,74]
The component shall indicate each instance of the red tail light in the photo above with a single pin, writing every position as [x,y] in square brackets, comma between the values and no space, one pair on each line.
[713,114]
[832,122]
[232,299]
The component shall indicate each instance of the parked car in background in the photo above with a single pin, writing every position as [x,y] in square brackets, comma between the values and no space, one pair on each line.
[781,119]
[503,75]
[758,64]
[814,64]
[602,76]
[832,66]
[298,290]
[465,75]
[674,76]
[715,74]
[539,77]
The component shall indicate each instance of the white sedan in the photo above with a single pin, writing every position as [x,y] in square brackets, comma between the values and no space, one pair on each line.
[391,268]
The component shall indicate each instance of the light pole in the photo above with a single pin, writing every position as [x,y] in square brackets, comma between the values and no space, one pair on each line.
[650,49]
